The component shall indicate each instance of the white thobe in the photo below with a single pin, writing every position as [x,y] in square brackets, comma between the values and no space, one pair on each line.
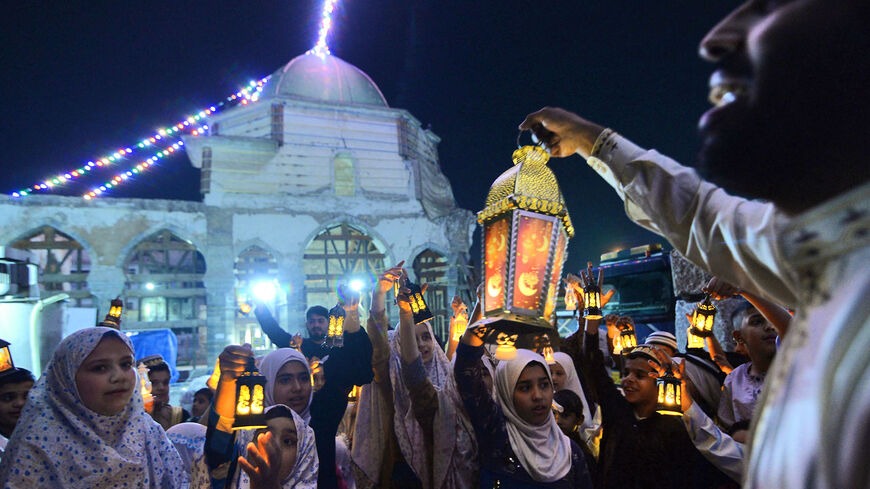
[812,426]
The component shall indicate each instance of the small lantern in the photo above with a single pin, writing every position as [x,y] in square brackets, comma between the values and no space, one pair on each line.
[353,396]
[627,339]
[250,390]
[335,333]
[694,342]
[5,357]
[460,322]
[147,398]
[245,308]
[592,299]
[506,349]
[617,344]
[526,229]
[670,394]
[570,298]
[703,317]
[418,304]
[546,349]
[113,318]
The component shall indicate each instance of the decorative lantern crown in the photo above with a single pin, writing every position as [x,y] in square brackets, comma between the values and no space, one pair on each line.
[526,229]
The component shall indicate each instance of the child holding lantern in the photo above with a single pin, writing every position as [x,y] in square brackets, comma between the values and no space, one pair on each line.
[658,449]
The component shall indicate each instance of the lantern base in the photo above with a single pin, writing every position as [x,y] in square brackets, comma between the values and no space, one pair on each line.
[702,334]
[250,422]
[513,324]
[669,412]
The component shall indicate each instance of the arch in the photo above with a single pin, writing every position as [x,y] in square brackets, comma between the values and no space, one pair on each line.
[431,267]
[164,289]
[178,232]
[64,262]
[339,252]
[254,265]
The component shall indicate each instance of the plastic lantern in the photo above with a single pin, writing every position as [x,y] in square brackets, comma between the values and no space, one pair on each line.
[460,322]
[113,318]
[703,318]
[506,349]
[670,395]
[526,229]
[335,332]
[147,398]
[5,357]
[547,350]
[592,299]
[250,389]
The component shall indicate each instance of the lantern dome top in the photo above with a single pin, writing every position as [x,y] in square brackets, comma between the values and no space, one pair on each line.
[324,78]
[528,185]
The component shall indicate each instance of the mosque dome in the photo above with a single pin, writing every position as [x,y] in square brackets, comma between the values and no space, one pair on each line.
[324,78]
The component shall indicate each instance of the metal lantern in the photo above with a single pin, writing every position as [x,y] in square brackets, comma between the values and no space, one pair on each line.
[670,395]
[5,357]
[694,342]
[526,229]
[418,304]
[113,318]
[627,338]
[335,333]
[250,391]
[546,349]
[703,318]
[592,299]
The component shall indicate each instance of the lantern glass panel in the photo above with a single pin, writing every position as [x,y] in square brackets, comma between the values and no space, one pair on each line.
[693,341]
[496,254]
[533,252]
[5,357]
[558,262]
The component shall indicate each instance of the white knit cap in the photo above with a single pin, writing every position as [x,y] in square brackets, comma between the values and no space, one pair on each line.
[662,338]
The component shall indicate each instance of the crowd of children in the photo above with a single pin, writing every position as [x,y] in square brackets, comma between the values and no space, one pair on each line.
[420,419]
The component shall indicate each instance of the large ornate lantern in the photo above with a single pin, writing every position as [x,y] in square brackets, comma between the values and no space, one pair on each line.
[592,300]
[526,229]
[113,318]
[5,357]
[335,332]
[250,391]
[703,318]
[670,395]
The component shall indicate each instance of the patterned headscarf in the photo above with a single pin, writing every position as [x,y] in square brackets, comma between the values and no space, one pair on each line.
[60,443]
[454,451]
[304,473]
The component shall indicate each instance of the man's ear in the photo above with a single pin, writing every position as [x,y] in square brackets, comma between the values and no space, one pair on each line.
[737,335]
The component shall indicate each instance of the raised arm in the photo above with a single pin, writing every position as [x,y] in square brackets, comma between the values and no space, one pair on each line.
[270,326]
[728,236]
[778,316]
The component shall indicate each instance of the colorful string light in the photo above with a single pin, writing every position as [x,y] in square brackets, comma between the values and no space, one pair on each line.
[321,48]
[250,93]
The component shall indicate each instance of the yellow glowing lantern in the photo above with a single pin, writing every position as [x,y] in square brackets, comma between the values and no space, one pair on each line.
[113,318]
[506,349]
[592,299]
[694,342]
[145,387]
[418,304]
[570,298]
[250,390]
[670,395]
[547,350]
[353,395]
[335,332]
[526,229]
[245,307]
[627,337]
[617,344]
[5,357]
[460,322]
[703,318]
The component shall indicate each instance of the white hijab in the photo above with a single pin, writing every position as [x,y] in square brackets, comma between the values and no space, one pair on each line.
[544,451]
[272,364]
[60,443]
[304,473]
[189,440]
[572,383]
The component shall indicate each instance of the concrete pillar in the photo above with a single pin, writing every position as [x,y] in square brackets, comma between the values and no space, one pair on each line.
[106,282]
[219,282]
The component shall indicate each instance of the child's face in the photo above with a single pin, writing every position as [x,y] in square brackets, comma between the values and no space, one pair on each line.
[12,400]
[293,386]
[284,435]
[106,379]
[533,395]
[758,335]
[159,386]
[425,342]
[637,383]
[200,404]
[559,376]
[567,421]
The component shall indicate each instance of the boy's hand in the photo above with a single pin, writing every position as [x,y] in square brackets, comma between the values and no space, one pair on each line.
[720,289]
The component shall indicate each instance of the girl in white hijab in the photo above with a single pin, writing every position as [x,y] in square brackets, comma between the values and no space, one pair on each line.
[85,425]
[590,429]
[520,444]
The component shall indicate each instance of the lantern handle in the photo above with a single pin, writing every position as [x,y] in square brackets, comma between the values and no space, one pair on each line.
[535,141]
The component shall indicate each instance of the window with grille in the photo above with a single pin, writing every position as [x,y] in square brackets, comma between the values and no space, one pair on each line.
[63,264]
[431,267]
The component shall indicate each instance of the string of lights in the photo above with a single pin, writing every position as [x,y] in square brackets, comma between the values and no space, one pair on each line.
[250,93]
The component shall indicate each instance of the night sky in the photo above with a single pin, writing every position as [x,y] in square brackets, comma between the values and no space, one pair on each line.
[82,78]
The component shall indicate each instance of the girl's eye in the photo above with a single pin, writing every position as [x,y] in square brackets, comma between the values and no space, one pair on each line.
[126,364]
[98,368]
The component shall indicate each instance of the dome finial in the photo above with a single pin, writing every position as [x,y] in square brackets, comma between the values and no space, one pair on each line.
[321,48]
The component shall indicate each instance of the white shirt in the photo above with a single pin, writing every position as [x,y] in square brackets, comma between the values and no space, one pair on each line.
[818,263]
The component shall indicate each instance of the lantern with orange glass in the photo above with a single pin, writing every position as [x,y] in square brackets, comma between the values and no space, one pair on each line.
[526,229]
[6,363]
[703,318]
[459,321]
[250,391]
